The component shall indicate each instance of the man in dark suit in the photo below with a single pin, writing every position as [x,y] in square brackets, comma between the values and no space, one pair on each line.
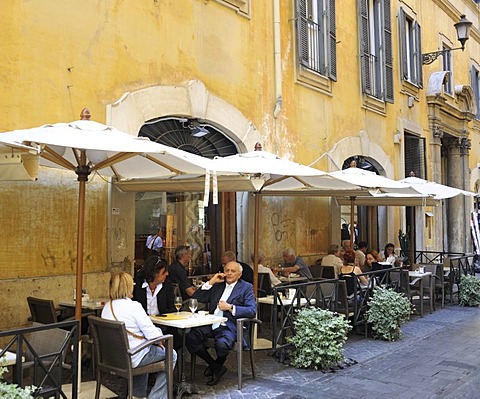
[228,296]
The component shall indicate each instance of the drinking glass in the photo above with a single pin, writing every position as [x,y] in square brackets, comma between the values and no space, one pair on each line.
[178,303]
[193,305]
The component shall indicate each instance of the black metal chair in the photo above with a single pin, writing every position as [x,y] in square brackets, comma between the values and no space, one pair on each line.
[244,330]
[45,353]
[43,310]
[328,272]
[113,355]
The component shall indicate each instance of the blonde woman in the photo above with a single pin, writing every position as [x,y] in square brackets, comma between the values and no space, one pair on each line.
[139,328]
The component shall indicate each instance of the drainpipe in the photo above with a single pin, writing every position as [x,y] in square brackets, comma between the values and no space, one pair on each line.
[278,64]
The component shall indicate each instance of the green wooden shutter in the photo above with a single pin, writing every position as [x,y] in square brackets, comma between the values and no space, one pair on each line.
[302,32]
[364,46]
[403,44]
[387,28]
[418,54]
[332,37]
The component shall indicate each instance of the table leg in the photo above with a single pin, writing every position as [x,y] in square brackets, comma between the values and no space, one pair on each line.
[183,386]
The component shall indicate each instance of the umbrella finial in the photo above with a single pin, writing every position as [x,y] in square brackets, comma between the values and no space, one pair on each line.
[258,146]
[85,114]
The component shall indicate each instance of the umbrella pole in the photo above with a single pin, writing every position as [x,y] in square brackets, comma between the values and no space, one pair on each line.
[255,244]
[352,217]
[82,172]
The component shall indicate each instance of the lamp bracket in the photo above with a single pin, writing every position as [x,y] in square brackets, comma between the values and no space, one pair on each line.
[428,58]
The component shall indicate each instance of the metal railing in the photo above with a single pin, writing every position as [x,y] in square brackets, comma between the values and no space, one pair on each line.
[47,368]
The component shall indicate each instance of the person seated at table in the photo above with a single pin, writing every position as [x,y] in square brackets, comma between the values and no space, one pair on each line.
[263,269]
[139,329]
[349,270]
[178,275]
[388,254]
[229,256]
[360,254]
[230,297]
[155,293]
[294,264]
[371,262]
[334,258]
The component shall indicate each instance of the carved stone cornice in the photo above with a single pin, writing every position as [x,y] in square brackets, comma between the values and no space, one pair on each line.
[460,144]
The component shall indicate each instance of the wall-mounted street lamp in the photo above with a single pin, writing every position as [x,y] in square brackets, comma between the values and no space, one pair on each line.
[463,32]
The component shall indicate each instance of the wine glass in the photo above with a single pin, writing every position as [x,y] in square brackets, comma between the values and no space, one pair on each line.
[178,303]
[193,305]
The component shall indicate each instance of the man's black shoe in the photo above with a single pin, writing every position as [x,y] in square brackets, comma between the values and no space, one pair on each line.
[208,372]
[216,376]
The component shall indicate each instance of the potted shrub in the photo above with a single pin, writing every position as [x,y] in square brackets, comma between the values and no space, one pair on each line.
[469,291]
[319,339]
[387,311]
[13,391]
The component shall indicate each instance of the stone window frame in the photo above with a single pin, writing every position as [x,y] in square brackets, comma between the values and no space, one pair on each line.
[242,7]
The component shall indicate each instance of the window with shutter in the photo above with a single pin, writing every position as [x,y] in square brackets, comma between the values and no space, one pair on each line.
[375,30]
[411,54]
[316,36]
[447,66]
[475,76]
[415,160]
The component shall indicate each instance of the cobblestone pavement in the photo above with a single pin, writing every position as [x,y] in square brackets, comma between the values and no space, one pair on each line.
[438,357]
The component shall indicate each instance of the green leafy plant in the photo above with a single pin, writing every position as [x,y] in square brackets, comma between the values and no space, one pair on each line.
[13,391]
[319,339]
[469,291]
[387,311]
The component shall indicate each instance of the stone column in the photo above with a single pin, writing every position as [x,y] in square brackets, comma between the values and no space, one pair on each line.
[436,168]
[457,150]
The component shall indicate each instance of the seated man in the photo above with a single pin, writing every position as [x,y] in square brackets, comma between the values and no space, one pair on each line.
[177,273]
[334,258]
[295,264]
[229,256]
[231,297]
[263,269]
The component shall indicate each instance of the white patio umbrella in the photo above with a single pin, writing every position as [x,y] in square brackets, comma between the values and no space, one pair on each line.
[436,190]
[18,163]
[85,147]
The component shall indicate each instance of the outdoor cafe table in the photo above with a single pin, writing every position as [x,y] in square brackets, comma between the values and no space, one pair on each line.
[290,280]
[184,322]
[96,304]
[9,359]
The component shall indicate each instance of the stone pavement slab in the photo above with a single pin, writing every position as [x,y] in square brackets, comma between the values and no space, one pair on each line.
[438,357]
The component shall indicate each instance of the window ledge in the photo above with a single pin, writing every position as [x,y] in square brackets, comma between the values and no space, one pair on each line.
[374,104]
[410,89]
[314,80]
[241,6]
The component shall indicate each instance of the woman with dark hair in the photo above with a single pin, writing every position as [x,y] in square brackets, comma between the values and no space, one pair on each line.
[151,290]
[349,270]
[155,293]
[388,254]
[371,261]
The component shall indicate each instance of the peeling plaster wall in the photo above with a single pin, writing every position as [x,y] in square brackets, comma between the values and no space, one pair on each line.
[15,310]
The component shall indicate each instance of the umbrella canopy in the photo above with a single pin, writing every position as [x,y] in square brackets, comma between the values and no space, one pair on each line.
[370,180]
[85,146]
[18,162]
[437,190]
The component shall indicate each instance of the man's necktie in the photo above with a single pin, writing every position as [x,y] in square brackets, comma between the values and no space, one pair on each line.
[226,293]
